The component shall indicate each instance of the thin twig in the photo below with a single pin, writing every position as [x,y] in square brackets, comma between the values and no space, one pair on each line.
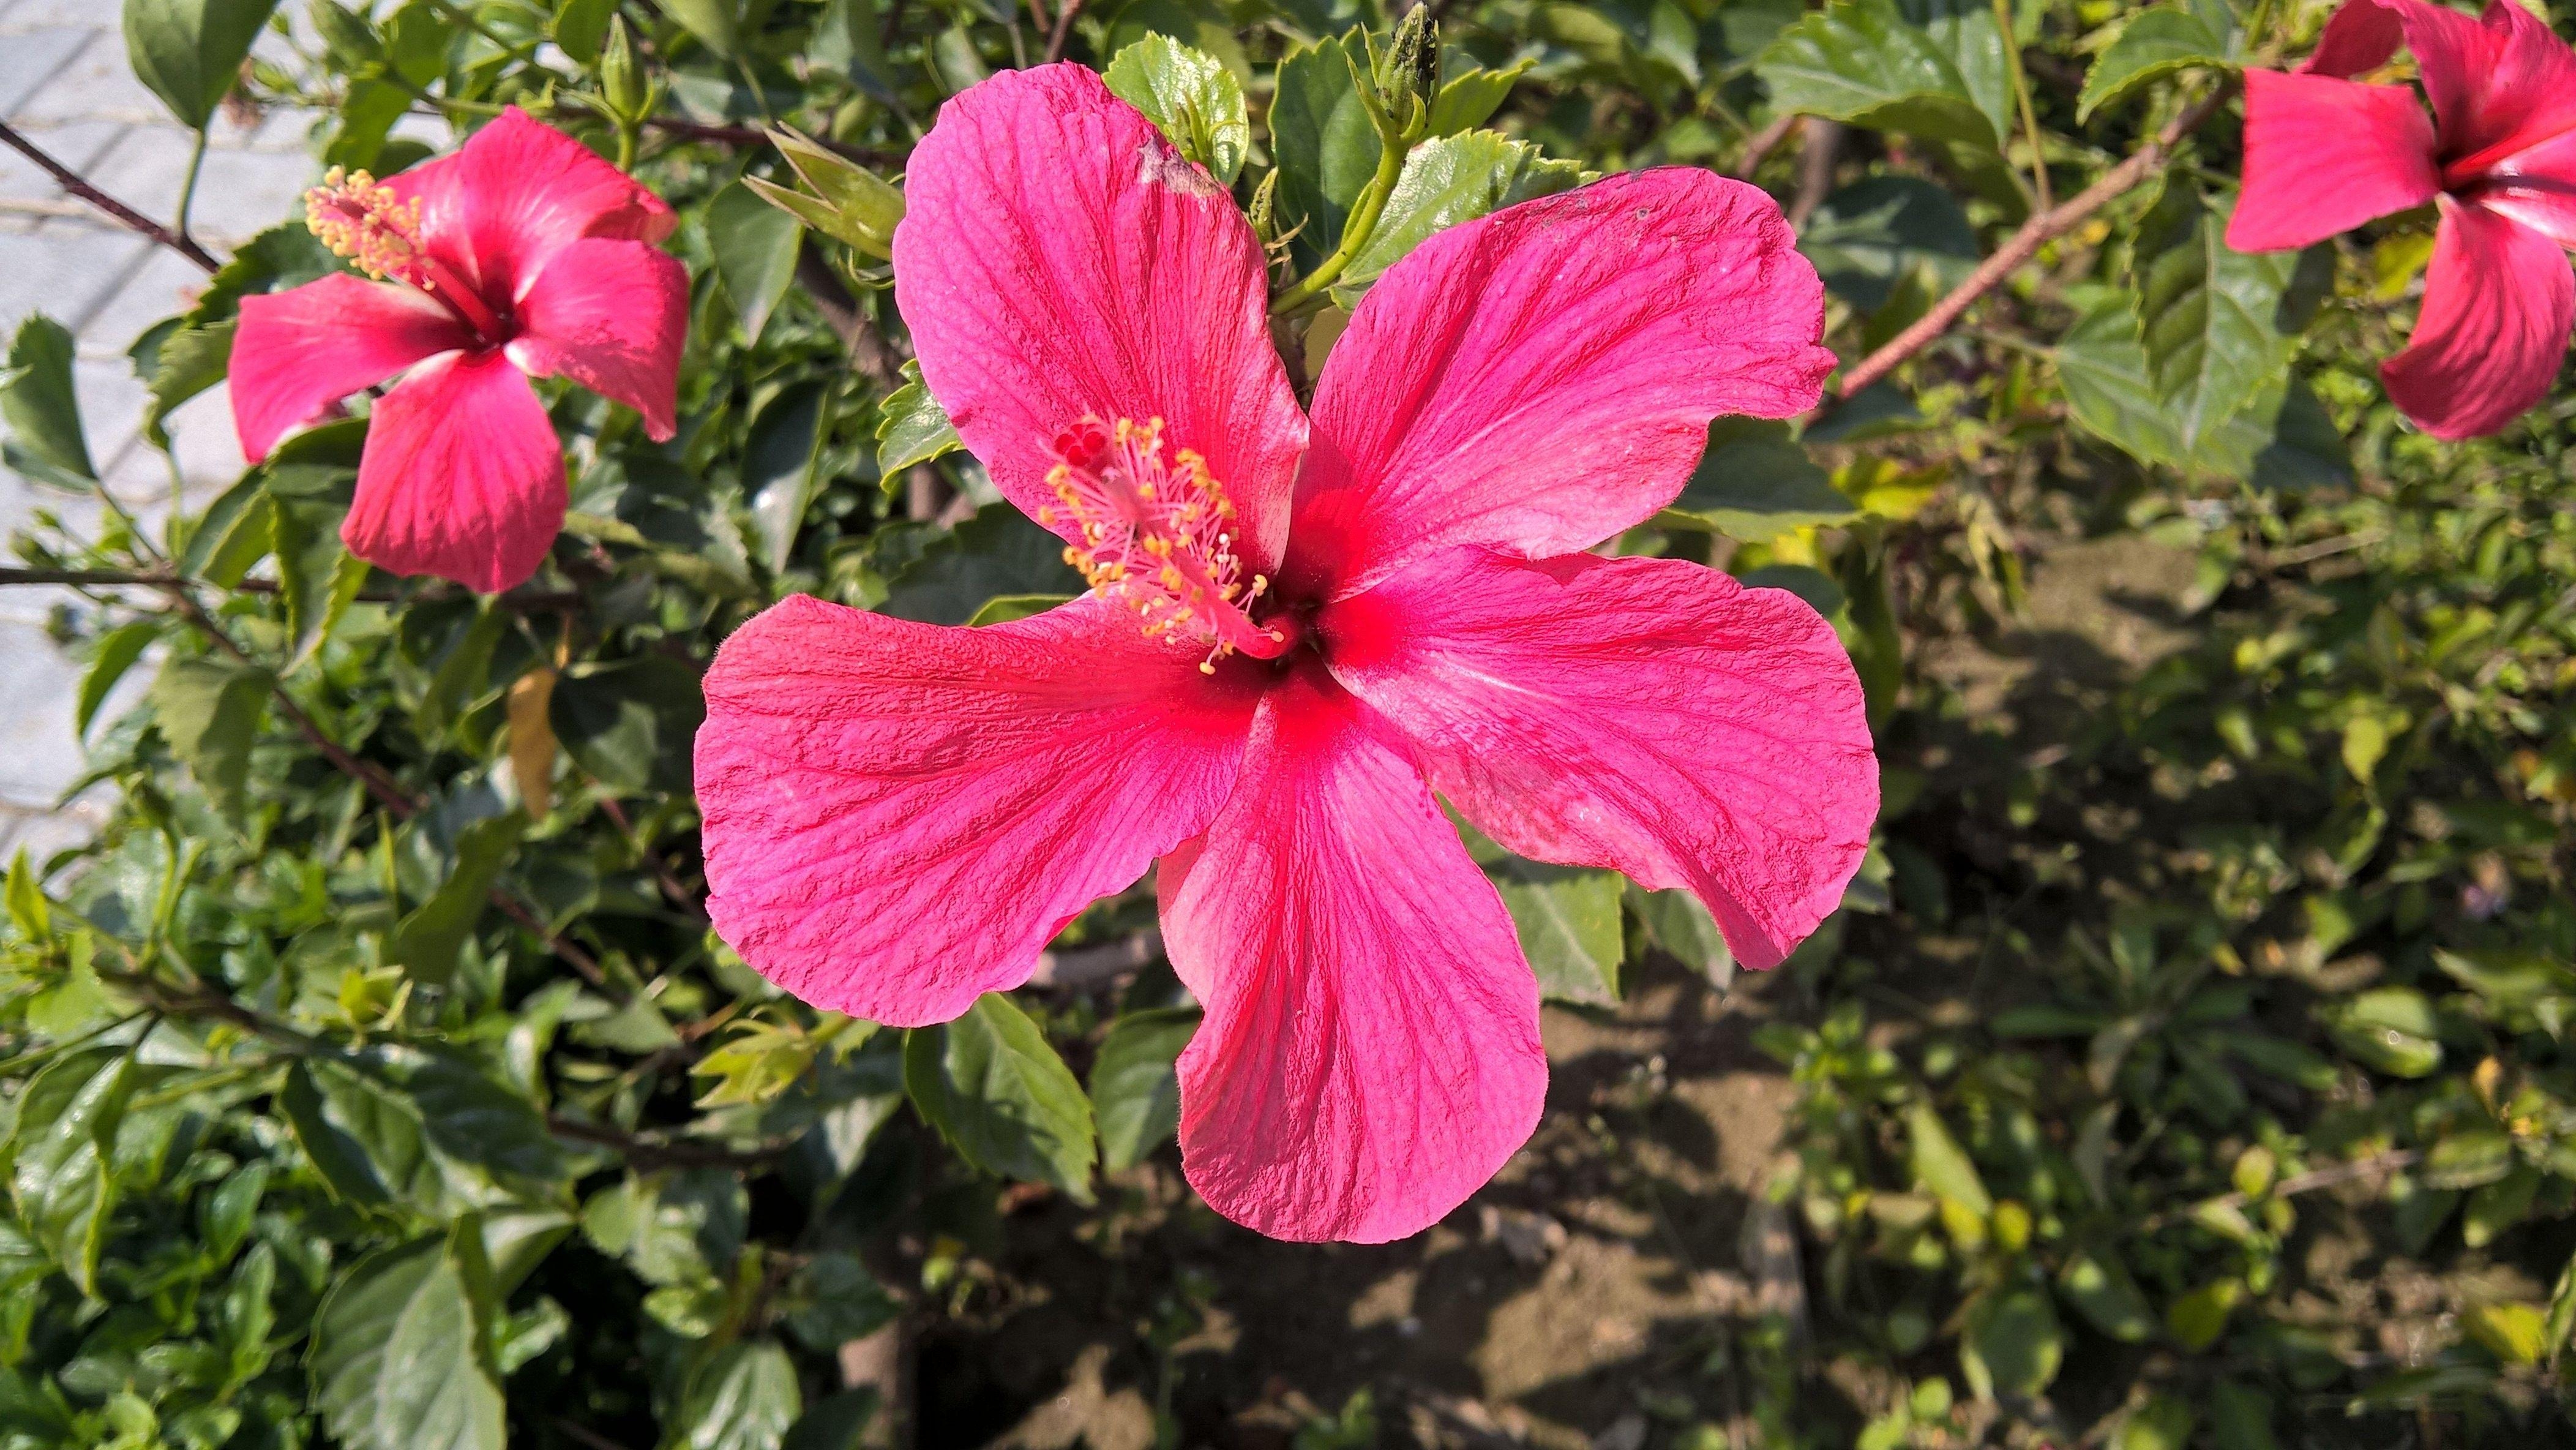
[664,1152]
[73,182]
[1818,150]
[1063,29]
[1764,142]
[869,350]
[753,136]
[2025,244]
[2308,1182]
[1086,966]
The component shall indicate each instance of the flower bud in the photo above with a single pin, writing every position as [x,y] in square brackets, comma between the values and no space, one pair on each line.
[620,83]
[1410,69]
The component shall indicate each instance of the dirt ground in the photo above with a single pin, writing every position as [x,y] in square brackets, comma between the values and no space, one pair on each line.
[1578,1300]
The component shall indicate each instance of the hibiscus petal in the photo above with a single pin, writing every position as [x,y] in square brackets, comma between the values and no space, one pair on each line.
[899,815]
[1649,715]
[1058,258]
[462,477]
[2536,187]
[1370,1055]
[300,351]
[612,316]
[516,193]
[2323,156]
[1543,377]
[2361,36]
[2499,302]
[2500,85]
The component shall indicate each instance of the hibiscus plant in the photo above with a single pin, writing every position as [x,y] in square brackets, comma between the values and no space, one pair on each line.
[879,668]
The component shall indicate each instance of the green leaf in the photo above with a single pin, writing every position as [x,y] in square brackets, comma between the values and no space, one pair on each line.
[417,1126]
[632,723]
[999,553]
[2197,1319]
[581,28]
[1871,235]
[1676,922]
[1002,1098]
[716,23]
[911,426]
[1966,32]
[1190,95]
[426,942]
[2012,1344]
[743,1398]
[1470,98]
[25,896]
[673,1228]
[1941,1165]
[779,468]
[190,52]
[1325,147]
[833,1300]
[67,1118]
[754,245]
[1447,181]
[2240,1417]
[187,363]
[318,578]
[209,710]
[1003,608]
[41,409]
[2162,1423]
[1863,62]
[116,652]
[836,1422]
[1135,1091]
[2213,322]
[1567,918]
[2389,1029]
[1755,483]
[2101,1290]
[2154,44]
[401,1354]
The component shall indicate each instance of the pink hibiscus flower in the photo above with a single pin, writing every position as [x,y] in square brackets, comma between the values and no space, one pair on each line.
[1297,633]
[522,255]
[2323,154]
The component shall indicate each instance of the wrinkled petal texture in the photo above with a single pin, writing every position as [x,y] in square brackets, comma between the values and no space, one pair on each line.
[2499,302]
[1058,258]
[462,476]
[1541,378]
[612,316]
[899,815]
[517,192]
[1370,1054]
[2323,156]
[1649,715]
[301,351]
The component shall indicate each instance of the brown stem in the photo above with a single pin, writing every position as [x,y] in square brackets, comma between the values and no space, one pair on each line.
[1817,152]
[2038,232]
[678,892]
[1063,28]
[77,185]
[749,136]
[869,350]
[1085,966]
[1764,142]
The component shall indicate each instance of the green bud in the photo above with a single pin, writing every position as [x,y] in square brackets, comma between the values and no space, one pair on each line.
[1264,211]
[1410,69]
[619,80]
[347,35]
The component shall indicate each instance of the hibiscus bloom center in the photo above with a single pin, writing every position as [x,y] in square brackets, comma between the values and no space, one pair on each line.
[1158,536]
[366,221]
